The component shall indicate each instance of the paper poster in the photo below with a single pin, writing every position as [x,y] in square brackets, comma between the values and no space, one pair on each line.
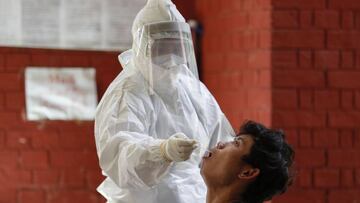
[81,23]
[74,24]
[60,93]
[40,22]
[118,18]
[10,22]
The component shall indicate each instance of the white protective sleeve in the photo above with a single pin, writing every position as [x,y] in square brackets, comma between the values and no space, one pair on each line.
[128,156]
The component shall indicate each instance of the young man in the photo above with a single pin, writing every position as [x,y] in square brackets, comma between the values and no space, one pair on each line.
[251,169]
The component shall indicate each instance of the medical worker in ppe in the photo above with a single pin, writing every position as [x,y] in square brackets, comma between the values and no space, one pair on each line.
[157,119]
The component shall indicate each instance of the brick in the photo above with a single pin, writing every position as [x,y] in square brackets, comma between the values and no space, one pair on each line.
[15,101]
[45,140]
[344,158]
[73,178]
[327,178]
[347,178]
[344,79]
[308,158]
[18,140]
[2,62]
[306,59]
[75,59]
[10,82]
[346,138]
[285,19]
[211,81]
[94,178]
[347,60]
[343,39]
[46,178]
[260,19]
[357,139]
[265,79]
[357,100]
[299,119]
[73,159]
[245,40]
[15,178]
[284,99]
[265,39]
[327,59]
[306,100]
[304,4]
[34,159]
[259,99]
[224,99]
[284,59]
[305,138]
[357,60]
[250,78]
[302,195]
[37,196]
[52,60]
[9,159]
[326,138]
[305,177]
[66,159]
[63,196]
[347,100]
[260,59]
[298,39]
[2,140]
[2,101]
[325,99]
[16,62]
[297,78]
[292,137]
[344,119]
[76,140]
[213,61]
[348,21]
[236,21]
[327,19]
[347,195]
[236,61]
[224,44]
[344,4]
[7,195]
[307,19]
[357,20]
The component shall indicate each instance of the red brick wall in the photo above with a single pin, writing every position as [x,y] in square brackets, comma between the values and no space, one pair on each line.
[47,162]
[237,57]
[316,85]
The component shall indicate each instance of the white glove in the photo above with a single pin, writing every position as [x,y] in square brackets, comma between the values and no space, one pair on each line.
[178,148]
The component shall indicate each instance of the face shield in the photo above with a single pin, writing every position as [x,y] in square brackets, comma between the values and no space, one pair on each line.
[166,55]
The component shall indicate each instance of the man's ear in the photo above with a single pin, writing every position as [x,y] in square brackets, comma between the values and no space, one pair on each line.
[249,173]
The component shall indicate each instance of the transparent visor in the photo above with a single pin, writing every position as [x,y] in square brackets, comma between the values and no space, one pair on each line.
[170,45]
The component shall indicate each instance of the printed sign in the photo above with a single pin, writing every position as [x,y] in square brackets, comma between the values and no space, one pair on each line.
[60,93]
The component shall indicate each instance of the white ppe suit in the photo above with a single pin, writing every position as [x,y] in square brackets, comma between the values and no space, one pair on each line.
[157,95]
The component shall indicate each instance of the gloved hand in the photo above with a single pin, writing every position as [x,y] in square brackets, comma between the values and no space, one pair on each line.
[178,148]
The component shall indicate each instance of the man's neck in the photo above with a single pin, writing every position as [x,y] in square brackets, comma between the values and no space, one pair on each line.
[221,195]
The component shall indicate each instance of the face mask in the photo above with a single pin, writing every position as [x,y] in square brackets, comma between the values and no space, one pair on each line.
[168,61]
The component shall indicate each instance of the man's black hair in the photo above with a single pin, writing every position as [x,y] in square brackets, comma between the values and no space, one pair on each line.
[273,156]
